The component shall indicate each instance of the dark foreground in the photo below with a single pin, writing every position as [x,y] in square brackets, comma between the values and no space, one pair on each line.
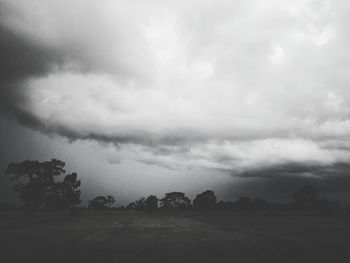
[192,237]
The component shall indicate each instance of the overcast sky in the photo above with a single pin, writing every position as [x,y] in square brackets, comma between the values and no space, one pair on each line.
[142,97]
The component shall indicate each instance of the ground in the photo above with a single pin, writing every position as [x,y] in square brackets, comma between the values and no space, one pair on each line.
[168,237]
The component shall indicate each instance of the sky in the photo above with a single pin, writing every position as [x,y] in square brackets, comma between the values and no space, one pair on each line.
[244,97]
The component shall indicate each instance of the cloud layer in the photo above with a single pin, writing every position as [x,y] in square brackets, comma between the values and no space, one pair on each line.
[233,86]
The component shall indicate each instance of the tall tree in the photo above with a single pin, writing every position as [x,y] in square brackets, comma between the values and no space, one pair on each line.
[176,200]
[205,200]
[139,204]
[151,203]
[33,179]
[64,194]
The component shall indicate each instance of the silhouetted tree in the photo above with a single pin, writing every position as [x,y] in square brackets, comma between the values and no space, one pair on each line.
[71,193]
[139,204]
[98,203]
[176,200]
[131,206]
[244,203]
[65,194]
[225,205]
[260,204]
[34,180]
[326,206]
[110,200]
[151,203]
[306,197]
[205,200]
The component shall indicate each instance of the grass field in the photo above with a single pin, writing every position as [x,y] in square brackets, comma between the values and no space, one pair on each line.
[161,237]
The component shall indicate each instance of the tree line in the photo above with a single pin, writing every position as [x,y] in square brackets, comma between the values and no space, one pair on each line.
[45,185]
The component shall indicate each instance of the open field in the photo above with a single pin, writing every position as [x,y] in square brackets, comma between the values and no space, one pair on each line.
[161,237]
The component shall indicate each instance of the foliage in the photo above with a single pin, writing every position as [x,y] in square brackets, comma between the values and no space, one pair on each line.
[110,200]
[139,204]
[244,203]
[205,200]
[260,204]
[101,202]
[98,203]
[176,200]
[64,194]
[38,183]
[225,205]
[151,203]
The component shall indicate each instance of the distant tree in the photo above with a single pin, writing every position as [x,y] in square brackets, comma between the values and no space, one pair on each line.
[110,200]
[260,204]
[326,206]
[151,203]
[205,200]
[131,206]
[139,204]
[33,180]
[244,203]
[98,203]
[306,197]
[225,205]
[176,200]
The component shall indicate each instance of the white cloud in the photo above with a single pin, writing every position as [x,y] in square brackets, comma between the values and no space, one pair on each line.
[236,84]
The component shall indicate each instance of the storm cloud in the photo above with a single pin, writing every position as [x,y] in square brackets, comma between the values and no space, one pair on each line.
[247,88]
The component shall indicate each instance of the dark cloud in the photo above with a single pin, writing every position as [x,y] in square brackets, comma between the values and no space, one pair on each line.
[18,61]
[293,169]
[278,182]
[311,171]
[22,58]
[159,145]
[25,56]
